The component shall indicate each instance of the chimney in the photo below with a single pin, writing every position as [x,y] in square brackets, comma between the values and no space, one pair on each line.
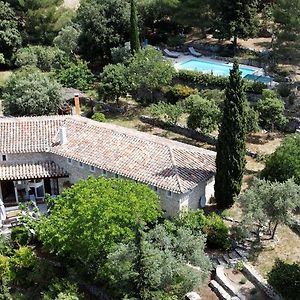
[77,104]
[62,135]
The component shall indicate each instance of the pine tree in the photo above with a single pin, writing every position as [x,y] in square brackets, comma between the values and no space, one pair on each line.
[231,147]
[235,18]
[134,30]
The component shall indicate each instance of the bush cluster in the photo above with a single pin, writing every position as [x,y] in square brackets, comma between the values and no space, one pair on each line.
[178,92]
[203,80]
[45,58]
[212,225]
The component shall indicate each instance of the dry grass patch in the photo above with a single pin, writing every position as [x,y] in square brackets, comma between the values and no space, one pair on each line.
[287,248]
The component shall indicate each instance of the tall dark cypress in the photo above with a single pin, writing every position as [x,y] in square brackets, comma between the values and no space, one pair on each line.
[231,146]
[134,29]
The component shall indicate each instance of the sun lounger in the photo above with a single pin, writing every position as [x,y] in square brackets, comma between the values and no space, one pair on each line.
[194,52]
[170,53]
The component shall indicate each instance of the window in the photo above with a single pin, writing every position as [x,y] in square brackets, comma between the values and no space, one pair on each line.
[155,188]
[69,161]
[4,157]
[116,176]
[169,194]
[104,172]
[80,164]
[92,168]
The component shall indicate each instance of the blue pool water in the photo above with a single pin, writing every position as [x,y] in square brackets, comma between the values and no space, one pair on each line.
[215,68]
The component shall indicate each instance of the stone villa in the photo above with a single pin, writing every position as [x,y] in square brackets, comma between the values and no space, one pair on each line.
[45,154]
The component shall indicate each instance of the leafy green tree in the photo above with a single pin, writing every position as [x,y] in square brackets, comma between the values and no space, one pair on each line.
[113,82]
[167,112]
[204,114]
[285,279]
[44,57]
[100,212]
[104,24]
[235,18]
[10,37]
[120,54]
[67,39]
[231,148]
[75,74]
[164,269]
[272,202]
[194,13]
[153,10]
[284,163]
[148,70]
[41,19]
[29,92]
[134,28]
[212,225]
[271,110]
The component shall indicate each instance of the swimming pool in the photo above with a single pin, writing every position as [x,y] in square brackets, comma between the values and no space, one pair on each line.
[215,68]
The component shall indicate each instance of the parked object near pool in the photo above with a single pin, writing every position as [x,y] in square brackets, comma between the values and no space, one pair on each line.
[170,53]
[194,52]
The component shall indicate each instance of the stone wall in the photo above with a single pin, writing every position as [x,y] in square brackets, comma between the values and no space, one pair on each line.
[258,280]
[26,157]
[169,201]
[183,130]
[180,129]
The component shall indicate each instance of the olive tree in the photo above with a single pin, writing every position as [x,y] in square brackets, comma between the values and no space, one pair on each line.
[29,92]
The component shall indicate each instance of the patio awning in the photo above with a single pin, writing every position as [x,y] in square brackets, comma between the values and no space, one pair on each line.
[31,170]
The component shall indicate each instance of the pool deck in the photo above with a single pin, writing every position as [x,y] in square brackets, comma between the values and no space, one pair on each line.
[186,57]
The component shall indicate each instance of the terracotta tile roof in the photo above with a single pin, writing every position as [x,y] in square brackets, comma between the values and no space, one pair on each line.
[17,171]
[28,134]
[167,164]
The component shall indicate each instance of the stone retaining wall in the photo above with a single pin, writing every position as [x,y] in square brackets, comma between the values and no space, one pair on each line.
[183,130]
[258,280]
[224,282]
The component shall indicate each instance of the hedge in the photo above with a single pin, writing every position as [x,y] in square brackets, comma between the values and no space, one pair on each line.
[203,80]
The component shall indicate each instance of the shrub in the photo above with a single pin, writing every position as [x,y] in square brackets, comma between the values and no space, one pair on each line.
[285,278]
[5,246]
[120,54]
[22,264]
[271,110]
[20,236]
[43,57]
[179,92]
[31,92]
[284,163]
[175,41]
[98,116]
[204,114]
[166,112]
[75,74]
[284,89]
[243,280]
[217,232]
[212,225]
[62,289]
[204,80]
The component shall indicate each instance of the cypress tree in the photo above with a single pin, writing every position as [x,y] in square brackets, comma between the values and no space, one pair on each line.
[231,146]
[134,30]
